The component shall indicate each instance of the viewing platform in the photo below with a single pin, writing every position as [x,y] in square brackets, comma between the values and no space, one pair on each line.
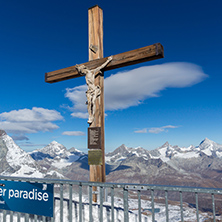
[73,201]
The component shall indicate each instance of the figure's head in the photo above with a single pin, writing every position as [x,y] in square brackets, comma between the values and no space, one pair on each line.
[81,68]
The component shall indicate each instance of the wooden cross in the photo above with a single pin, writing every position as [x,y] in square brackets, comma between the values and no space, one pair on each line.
[148,53]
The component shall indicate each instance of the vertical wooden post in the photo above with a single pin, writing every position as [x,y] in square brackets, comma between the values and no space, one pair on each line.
[95,15]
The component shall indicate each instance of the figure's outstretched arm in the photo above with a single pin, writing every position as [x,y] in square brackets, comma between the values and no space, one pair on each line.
[98,69]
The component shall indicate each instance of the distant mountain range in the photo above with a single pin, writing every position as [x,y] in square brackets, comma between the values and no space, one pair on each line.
[199,166]
[172,164]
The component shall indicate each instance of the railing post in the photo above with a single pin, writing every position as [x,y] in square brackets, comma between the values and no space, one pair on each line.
[105,194]
[112,204]
[26,217]
[197,207]
[213,206]
[18,217]
[125,204]
[11,216]
[166,203]
[90,204]
[61,202]
[101,203]
[152,203]
[139,204]
[181,206]
[4,215]
[80,202]
[70,202]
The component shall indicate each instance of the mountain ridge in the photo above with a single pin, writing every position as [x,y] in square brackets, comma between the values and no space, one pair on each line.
[194,166]
[132,163]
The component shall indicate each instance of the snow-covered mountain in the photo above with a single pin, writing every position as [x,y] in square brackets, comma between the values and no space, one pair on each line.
[203,160]
[62,163]
[42,163]
[210,148]
[14,161]
[169,165]
[54,149]
[123,152]
[199,166]
[56,155]
[167,152]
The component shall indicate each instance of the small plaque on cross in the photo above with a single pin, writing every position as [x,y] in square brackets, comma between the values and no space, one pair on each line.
[94,137]
[95,157]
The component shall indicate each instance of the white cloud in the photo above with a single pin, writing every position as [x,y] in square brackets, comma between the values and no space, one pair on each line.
[169,127]
[32,120]
[81,115]
[73,133]
[130,88]
[31,115]
[156,130]
[77,96]
[141,131]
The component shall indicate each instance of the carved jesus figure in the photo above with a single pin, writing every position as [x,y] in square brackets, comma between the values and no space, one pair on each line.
[93,91]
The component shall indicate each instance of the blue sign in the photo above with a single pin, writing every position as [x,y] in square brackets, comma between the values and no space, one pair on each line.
[26,197]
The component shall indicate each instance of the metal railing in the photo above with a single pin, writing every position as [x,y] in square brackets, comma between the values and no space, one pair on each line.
[73,201]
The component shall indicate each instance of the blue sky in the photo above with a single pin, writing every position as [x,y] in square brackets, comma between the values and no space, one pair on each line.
[175,99]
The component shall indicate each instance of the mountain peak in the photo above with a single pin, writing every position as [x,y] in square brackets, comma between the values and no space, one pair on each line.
[166,144]
[123,147]
[207,141]
[2,133]
[120,151]
[54,143]
[74,150]
[51,151]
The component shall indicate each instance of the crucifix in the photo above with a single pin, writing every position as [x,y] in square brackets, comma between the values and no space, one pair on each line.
[93,70]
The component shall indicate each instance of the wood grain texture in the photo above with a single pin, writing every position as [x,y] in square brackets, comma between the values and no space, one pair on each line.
[136,56]
[95,29]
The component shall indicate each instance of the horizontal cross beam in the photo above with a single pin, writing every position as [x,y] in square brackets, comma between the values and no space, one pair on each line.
[136,56]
